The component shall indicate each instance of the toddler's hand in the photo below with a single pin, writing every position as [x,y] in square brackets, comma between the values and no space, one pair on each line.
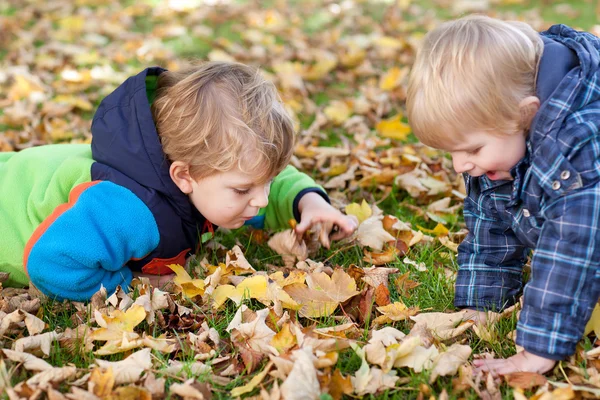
[314,209]
[520,362]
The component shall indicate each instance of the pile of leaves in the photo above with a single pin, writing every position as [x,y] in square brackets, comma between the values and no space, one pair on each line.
[262,314]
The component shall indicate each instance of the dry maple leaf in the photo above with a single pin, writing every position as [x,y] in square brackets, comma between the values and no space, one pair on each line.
[188,286]
[112,327]
[371,380]
[254,333]
[324,293]
[53,375]
[448,362]
[371,233]
[302,382]
[525,380]
[30,362]
[286,244]
[445,325]
[130,369]
[41,342]
[375,276]
[396,311]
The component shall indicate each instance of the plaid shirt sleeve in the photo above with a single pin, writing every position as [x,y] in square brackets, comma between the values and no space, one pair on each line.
[491,258]
[565,282]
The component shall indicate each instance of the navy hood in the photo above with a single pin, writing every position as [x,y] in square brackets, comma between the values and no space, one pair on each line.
[125,139]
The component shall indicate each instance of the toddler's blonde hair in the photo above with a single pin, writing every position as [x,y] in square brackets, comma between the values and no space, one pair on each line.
[471,74]
[221,115]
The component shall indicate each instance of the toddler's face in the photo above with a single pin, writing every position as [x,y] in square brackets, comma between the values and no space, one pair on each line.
[229,199]
[488,153]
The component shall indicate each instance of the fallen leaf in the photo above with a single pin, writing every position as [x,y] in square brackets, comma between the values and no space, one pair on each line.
[394,128]
[188,286]
[445,325]
[362,211]
[302,382]
[448,362]
[525,380]
[130,369]
[286,244]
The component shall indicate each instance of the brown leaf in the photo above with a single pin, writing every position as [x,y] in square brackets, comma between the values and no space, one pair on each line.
[525,380]
[132,392]
[339,385]
[382,295]
[404,286]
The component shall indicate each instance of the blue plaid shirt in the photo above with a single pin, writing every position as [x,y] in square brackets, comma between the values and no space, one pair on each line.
[552,207]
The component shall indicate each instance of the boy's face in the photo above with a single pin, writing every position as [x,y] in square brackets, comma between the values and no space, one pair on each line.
[488,153]
[229,199]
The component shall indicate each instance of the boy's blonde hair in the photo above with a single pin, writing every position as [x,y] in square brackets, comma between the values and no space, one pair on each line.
[221,115]
[471,74]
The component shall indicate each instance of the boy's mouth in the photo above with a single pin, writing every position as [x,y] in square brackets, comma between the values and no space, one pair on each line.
[491,174]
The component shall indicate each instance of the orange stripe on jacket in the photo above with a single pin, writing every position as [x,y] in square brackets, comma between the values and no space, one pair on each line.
[58,211]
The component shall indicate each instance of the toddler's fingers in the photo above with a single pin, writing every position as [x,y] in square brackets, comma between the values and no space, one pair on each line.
[347,224]
[324,235]
[302,227]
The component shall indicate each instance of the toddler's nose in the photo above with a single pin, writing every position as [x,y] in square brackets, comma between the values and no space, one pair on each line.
[260,200]
[461,165]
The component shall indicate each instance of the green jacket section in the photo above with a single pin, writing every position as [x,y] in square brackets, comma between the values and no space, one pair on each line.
[33,183]
[284,189]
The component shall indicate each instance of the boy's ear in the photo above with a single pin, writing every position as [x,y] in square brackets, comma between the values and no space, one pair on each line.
[528,107]
[180,174]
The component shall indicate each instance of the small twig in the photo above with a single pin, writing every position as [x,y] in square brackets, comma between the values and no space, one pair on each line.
[563,372]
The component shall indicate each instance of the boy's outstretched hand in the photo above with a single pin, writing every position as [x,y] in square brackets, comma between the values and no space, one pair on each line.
[520,362]
[314,209]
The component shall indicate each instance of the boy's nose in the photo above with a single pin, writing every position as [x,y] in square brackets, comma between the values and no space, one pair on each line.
[461,165]
[260,200]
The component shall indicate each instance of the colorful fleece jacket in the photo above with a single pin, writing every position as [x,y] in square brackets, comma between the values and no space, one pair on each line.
[75,217]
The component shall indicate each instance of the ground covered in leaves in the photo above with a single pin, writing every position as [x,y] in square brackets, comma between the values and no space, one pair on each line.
[254,314]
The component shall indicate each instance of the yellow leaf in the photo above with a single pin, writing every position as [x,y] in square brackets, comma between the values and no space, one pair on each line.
[120,322]
[294,276]
[388,42]
[393,128]
[221,294]
[72,23]
[103,381]
[22,88]
[594,322]
[439,230]
[247,388]
[362,211]
[326,62]
[284,339]
[190,287]
[74,101]
[397,311]
[338,112]
[392,78]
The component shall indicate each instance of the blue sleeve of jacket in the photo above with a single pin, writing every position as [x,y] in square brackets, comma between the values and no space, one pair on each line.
[88,243]
[490,260]
[565,280]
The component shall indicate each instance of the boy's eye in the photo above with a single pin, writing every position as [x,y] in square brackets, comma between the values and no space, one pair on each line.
[474,151]
[241,191]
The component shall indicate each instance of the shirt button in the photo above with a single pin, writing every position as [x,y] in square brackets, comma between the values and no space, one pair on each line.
[565,175]
[556,185]
[526,213]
